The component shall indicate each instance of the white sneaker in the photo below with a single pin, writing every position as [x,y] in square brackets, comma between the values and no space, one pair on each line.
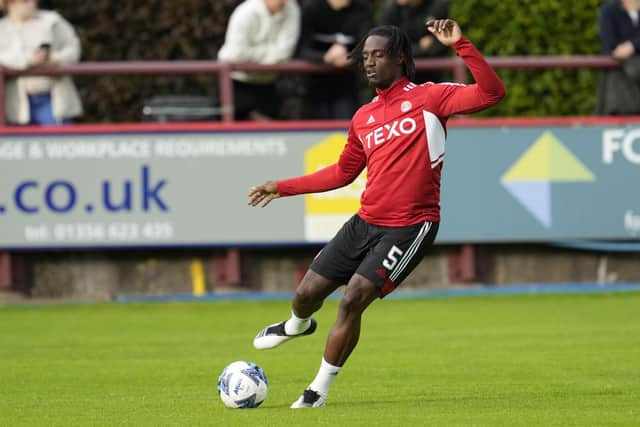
[309,399]
[274,335]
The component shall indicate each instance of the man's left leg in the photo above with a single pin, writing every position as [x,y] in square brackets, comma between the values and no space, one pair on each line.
[344,335]
[359,294]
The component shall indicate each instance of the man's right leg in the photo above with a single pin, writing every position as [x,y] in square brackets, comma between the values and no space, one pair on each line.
[332,267]
[308,298]
[311,293]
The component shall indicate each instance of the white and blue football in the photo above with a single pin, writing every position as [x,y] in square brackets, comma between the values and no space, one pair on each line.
[242,385]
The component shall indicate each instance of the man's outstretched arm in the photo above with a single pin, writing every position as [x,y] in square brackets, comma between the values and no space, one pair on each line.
[456,99]
[352,161]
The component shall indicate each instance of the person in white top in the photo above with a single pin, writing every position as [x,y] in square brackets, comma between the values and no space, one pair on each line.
[262,32]
[30,37]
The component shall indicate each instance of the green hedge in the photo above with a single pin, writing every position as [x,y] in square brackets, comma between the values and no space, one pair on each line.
[194,29]
[536,27]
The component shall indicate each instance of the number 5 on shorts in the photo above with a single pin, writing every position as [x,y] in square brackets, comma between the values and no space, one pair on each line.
[392,258]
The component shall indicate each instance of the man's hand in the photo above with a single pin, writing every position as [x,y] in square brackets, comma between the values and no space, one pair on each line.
[337,55]
[342,61]
[447,31]
[426,42]
[39,57]
[264,194]
[331,54]
[623,51]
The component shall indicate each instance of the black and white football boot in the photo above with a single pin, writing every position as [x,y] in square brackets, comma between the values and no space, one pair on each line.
[309,399]
[274,335]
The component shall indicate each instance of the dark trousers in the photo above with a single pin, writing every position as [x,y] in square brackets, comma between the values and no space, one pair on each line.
[333,97]
[259,98]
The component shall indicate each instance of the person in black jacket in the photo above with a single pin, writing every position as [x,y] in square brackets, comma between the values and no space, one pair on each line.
[410,16]
[620,28]
[330,29]
[619,91]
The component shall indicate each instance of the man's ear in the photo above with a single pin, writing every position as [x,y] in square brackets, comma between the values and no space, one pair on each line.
[400,59]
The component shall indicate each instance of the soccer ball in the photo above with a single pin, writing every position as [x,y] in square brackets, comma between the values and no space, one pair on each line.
[242,385]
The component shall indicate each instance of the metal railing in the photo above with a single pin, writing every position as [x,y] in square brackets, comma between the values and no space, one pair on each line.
[224,70]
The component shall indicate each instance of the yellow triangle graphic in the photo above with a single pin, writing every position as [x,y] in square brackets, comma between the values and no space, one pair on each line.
[533,165]
[548,160]
[564,166]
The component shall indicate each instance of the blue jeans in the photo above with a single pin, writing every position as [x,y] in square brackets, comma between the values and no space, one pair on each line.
[42,111]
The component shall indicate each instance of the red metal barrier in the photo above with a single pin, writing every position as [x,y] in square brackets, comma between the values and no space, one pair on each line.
[5,271]
[2,116]
[223,70]
[457,122]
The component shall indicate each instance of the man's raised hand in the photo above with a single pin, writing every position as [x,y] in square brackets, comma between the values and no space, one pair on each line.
[264,193]
[447,31]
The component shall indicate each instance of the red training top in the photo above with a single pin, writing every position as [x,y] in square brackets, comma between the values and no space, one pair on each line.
[400,137]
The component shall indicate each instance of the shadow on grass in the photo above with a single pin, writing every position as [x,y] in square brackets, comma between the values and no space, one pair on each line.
[341,404]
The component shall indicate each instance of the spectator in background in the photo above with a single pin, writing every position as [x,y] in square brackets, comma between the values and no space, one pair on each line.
[29,38]
[411,16]
[262,32]
[330,29]
[619,91]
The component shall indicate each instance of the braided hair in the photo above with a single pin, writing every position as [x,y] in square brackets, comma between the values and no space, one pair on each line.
[398,44]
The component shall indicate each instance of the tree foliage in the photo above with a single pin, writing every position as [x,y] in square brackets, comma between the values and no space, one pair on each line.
[536,27]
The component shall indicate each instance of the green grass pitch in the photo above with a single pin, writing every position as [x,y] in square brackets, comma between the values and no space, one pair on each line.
[512,361]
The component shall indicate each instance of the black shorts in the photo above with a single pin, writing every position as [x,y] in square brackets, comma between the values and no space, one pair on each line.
[384,255]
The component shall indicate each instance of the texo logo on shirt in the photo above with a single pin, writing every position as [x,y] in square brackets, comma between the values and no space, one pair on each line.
[387,132]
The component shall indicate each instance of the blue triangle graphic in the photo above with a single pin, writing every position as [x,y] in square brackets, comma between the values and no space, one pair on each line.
[535,196]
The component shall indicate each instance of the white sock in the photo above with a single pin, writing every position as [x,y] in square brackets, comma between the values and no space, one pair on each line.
[296,325]
[326,374]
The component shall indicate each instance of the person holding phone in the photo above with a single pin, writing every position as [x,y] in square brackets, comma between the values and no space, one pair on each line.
[29,38]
